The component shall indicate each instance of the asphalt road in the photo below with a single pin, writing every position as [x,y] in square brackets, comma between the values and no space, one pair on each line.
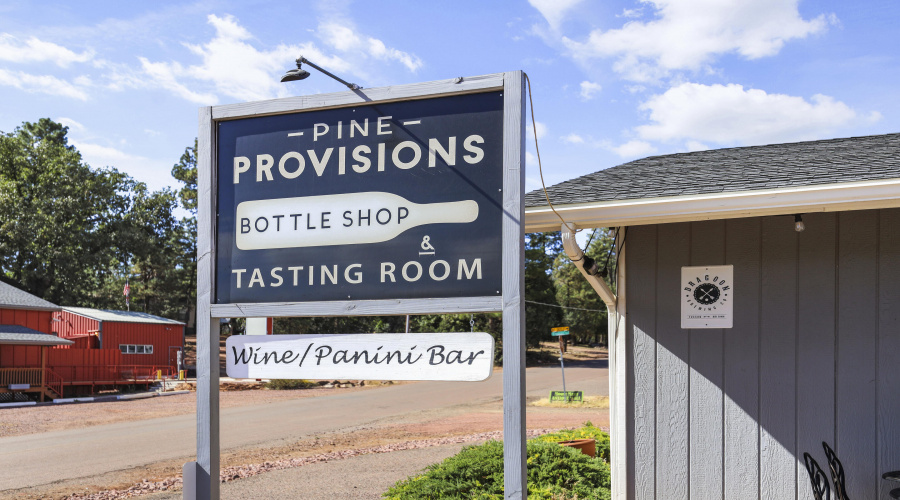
[34,460]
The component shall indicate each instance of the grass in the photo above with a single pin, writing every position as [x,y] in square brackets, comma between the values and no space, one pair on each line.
[279,384]
[554,472]
[589,402]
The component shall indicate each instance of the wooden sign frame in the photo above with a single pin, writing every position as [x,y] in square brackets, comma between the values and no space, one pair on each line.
[201,477]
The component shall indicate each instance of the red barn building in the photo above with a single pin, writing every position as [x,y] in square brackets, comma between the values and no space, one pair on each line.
[25,339]
[143,339]
[49,350]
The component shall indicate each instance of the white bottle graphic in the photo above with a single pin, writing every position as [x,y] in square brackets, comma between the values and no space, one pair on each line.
[339,219]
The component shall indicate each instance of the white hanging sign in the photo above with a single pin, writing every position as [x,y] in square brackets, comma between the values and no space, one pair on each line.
[418,356]
[707,297]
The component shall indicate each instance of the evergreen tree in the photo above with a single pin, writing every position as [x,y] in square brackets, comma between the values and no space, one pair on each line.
[585,312]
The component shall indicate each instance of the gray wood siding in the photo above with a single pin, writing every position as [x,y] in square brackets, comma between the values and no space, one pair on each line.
[814,356]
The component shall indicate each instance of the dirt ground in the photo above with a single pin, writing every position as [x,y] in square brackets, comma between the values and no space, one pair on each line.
[37,419]
[465,421]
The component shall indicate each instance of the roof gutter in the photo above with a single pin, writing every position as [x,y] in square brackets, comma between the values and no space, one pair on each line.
[586,266]
[863,195]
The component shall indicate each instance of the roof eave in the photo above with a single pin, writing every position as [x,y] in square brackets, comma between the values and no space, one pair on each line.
[30,308]
[34,342]
[805,199]
[161,321]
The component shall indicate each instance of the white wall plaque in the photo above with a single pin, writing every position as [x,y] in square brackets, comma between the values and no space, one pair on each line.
[387,356]
[707,297]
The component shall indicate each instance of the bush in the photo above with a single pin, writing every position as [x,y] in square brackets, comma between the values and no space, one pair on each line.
[586,432]
[280,384]
[554,472]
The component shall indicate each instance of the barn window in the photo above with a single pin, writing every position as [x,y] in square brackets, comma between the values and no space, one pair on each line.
[135,349]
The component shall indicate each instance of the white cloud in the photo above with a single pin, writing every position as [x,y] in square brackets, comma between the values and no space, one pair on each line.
[573,139]
[155,173]
[732,115]
[166,76]
[42,84]
[631,13]
[633,148]
[689,34]
[531,162]
[72,124]
[343,37]
[541,130]
[229,66]
[589,90]
[554,11]
[234,67]
[31,50]
[696,146]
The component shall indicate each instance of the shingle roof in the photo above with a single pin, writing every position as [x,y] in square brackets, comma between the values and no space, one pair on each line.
[875,157]
[20,335]
[120,316]
[13,298]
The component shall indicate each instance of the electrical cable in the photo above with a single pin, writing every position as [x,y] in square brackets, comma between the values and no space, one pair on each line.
[565,307]
[590,239]
[611,248]
[540,168]
[619,251]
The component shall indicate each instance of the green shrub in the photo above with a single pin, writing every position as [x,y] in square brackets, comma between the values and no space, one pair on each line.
[476,472]
[588,431]
[280,384]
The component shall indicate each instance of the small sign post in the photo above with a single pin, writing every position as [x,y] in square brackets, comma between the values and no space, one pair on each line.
[567,396]
[561,332]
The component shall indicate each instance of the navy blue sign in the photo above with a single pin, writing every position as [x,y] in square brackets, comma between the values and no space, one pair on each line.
[381,201]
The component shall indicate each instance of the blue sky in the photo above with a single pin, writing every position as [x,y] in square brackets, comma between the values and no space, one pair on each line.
[612,81]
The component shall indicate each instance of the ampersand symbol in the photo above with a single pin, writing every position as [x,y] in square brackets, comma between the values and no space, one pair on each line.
[425,243]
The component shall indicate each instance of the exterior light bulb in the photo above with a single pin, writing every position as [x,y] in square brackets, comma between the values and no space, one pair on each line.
[799,226]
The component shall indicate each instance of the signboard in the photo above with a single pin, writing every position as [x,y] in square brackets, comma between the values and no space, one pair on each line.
[397,200]
[562,330]
[707,295]
[417,356]
[379,201]
[567,396]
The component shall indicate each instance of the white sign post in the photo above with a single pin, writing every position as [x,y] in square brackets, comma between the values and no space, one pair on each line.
[387,201]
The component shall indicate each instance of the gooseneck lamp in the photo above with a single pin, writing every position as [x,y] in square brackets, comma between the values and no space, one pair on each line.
[301,74]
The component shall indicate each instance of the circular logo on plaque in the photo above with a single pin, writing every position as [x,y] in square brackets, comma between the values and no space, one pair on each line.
[705,293]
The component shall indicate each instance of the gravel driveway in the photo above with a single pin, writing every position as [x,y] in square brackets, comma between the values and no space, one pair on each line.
[360,477]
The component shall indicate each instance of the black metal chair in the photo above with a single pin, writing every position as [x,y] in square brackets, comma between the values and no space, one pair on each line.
[893,476]
[821,490]
[837,473]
